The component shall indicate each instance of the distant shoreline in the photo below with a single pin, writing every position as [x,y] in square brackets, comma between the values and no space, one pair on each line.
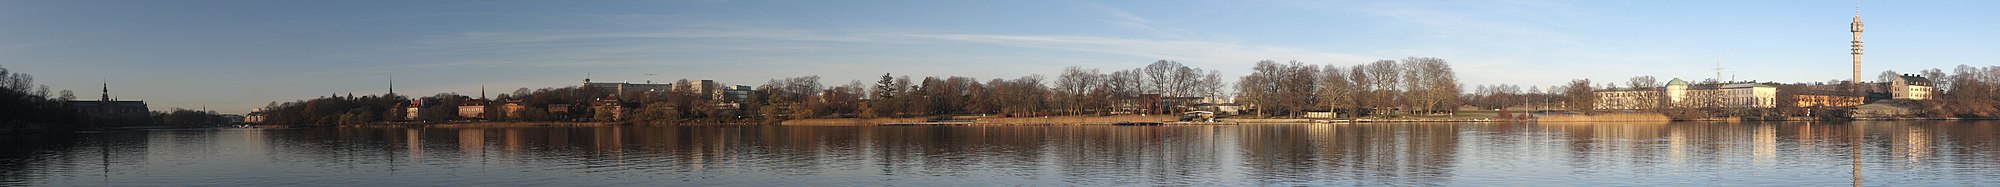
[1150,120]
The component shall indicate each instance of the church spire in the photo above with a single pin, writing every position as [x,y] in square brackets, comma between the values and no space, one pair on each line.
[107,92]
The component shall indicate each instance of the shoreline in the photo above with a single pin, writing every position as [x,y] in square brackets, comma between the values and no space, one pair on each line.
[1123,120]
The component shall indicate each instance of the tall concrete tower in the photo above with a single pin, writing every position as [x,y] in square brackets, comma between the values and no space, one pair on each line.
[1856,48]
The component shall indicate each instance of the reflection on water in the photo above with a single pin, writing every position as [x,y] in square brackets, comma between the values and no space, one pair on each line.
[1925,153]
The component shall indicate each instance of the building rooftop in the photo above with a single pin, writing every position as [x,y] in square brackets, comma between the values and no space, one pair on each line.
[1914,79]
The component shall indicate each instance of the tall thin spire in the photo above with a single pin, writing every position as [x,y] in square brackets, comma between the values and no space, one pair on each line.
[106,91]
[482,91]
[392,85]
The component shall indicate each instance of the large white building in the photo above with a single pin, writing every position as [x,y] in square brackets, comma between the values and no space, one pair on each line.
[1679,93]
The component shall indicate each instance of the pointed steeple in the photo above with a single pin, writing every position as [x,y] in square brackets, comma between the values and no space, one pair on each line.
[107,92]
[392,86]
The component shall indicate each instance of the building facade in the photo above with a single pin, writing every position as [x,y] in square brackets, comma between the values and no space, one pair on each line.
[413,109]
[1678,93]
[105,104]
[1826,100]
[1911,87]
[472,109]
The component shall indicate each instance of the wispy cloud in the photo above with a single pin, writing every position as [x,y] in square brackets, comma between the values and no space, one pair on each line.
[780,44]
[1516,36]
[1126,19]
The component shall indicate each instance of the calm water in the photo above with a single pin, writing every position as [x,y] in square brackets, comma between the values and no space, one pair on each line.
[1482,154]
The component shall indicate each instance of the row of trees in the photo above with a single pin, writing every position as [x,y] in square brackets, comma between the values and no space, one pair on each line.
[1414,85]
[1969,92]
[441,107]
[335,110]
[1080,90]
[1409,86]
[26,109]
[25,105]
[189,118]
[803,97]
[1076,91]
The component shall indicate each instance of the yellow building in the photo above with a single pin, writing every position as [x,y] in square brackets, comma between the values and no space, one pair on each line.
[472,109]
[1826,100]
[1910,87]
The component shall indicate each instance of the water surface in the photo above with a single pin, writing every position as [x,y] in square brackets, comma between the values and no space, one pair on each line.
[1917,153]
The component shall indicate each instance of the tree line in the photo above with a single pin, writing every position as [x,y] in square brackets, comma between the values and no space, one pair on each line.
[1968,91]
[1413,86]
[1075,91]
[1078,91]
[1384,88]
[26,106]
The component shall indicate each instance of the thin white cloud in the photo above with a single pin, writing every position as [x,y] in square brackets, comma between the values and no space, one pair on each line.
[1126,19]
[537,49]
[1498,40]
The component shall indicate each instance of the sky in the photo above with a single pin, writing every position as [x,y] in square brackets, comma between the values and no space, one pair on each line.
[232,56]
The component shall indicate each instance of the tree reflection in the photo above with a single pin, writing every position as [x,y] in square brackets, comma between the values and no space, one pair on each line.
[1387,154]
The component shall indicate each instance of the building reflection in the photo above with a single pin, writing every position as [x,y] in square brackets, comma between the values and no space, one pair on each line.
[472,141]
[414,139]
[1916,145]
[1764,144]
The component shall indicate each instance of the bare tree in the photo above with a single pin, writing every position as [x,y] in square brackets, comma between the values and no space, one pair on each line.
[1578,96]
[1122,89]
[1385,76]
[1643,81]
[1072,88]
[1334,89]
[1211,84]
[1887,76]
[1429,83]
[1297,87]
[1283,89]
[1159,75]
[1937,78]
[1362,87]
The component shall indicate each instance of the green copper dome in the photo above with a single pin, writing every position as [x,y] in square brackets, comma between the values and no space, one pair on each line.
[1677,81]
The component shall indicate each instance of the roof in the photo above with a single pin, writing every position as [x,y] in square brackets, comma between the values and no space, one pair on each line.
[1915,80]
[1677,81]
[473,102]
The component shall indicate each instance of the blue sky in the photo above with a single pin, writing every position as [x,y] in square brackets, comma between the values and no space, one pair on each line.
[235,55]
